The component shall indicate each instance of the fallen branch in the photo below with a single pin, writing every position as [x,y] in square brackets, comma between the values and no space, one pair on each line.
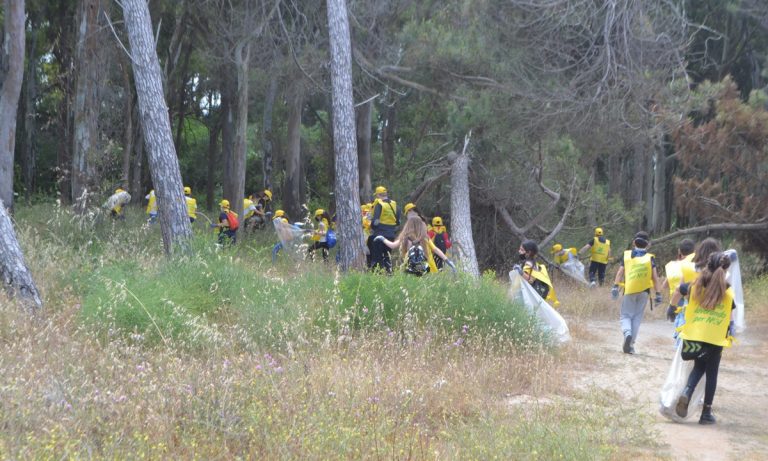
[714,227]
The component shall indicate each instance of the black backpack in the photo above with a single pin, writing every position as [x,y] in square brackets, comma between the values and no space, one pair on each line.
[417,260]
[439,241]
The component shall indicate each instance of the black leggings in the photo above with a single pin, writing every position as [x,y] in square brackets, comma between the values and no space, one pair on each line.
[709,365]
[599,269]
[323,246]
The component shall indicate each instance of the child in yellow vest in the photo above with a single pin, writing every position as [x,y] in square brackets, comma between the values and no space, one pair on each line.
[706,331]
[638,272]
[681,270]
[535,273]
[600,252]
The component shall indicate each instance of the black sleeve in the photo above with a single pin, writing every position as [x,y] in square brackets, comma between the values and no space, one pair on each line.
[590,243]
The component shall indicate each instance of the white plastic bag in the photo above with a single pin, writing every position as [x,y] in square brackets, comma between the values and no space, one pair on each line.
[677,378]
[734,278]
[121,198]
[290,236]
[551,320]
[575,269]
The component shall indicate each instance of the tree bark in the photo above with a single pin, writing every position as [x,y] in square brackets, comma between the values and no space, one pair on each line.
[86,100]
[267,134]
[29,153]
[461,217]
[13,54]
[128,134]
[345,148]
[388,142]
[364,147]
[242,62]
[292,189]
[16,278]
[228,132]
[156,126]
[659,212]
[213,144]
[137,189]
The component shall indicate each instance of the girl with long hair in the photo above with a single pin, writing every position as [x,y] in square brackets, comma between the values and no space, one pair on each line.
[414,233]
[706,330]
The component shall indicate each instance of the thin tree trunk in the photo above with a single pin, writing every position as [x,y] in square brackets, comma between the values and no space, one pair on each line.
[29,153]
[156,126]
[461,217]
[388,142]
[347,179]
[13,54]
[182,111]
[292,189]
[213,143]
[86,99]
[227,132]
[137,189]
[267,135]
[128,134]
[659,212]
[16,278]
[364,147]
[242,61]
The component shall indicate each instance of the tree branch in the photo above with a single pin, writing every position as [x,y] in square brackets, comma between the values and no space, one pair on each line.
[757,226]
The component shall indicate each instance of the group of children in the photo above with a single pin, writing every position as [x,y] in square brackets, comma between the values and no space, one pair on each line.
[701,300]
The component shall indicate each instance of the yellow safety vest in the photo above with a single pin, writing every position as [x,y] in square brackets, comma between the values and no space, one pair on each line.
[388,215]
[540,273]
[638,273]
[191,207]
[705,325]
[431,256]
[246,204]
[599,251]
[152,204]
[679,272]
[562,256]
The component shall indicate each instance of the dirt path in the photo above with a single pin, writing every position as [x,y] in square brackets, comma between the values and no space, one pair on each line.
[741,401]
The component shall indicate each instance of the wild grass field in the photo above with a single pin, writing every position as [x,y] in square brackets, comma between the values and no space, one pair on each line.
[221,355]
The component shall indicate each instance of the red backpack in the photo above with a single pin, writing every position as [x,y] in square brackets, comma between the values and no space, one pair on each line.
[234,224]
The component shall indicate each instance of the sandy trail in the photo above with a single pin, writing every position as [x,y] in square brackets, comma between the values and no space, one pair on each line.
[741,401]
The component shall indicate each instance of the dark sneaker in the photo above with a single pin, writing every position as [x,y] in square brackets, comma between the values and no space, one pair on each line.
[627,344]
[706,415]
[681,409]
[631,349]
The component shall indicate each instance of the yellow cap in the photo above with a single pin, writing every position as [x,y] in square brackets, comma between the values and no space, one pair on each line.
[279,213]
[187,190]
[556,248]
[598,232]
[381,190]
[437,221]
[224,203]
[366,207]
[118,190]
[268,193]
[319,212]
[408,207]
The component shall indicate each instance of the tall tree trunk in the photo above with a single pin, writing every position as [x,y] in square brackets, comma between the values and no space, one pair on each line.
[267,135]
[347,179]
[659,213]
[213,143]
[16,278]
[128,134]
[181,95]
[13,55]
[137,187]
[14,274]
[242,61]
[29,153]
[86,100]
[156,126]
[388,142]
[292,189]
[461,217]
[228,132]
[364,148]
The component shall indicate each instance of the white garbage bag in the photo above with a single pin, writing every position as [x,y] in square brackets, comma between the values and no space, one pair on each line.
[677,378]
[291,240]
[734,278]
[575,269]
[551,320]
[121,198]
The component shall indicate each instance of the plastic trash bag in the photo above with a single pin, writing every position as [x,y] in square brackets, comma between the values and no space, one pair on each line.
[291,239]
[734,278]
[121,198]
[677,378]
[551,320]
[574,269]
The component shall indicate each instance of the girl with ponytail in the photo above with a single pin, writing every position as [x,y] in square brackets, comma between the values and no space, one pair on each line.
[706,330]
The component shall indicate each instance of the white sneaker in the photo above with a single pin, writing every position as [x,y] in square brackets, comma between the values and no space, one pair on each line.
[592,284]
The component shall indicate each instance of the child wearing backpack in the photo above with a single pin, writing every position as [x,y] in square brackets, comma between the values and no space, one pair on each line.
[227,225]
[321,234]
[439,236]
[416,249]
